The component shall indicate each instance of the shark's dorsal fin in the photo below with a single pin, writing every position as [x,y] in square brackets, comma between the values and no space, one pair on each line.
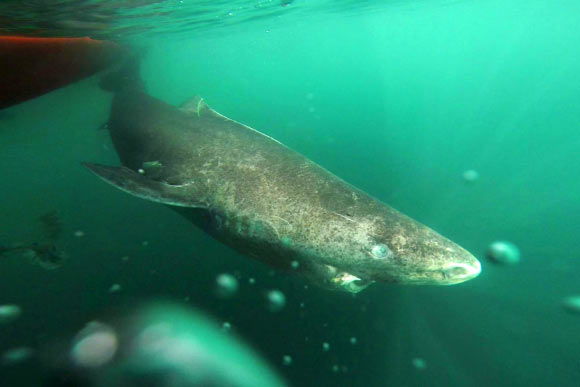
[199,108]
[141,186]
[195,105]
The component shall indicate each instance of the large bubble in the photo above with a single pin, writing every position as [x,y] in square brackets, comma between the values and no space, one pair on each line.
[276,300]
[503,252]
[16,355]
[470,175]
[226,285]
[572,304]
[94,346]
[167,345]
[419,363]
[9,313]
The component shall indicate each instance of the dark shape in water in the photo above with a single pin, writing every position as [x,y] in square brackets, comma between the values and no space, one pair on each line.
[45,255]
[51,225]
[7,115]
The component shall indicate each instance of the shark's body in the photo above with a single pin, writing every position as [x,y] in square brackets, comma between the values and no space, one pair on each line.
[271,203]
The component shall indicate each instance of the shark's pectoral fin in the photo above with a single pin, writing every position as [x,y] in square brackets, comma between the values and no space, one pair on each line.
[350,283]
[330,277]
[136,184]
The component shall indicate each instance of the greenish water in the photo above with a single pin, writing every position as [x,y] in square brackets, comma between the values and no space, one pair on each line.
[398,100]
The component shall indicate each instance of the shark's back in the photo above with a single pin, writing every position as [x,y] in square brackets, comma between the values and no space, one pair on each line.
[232,164]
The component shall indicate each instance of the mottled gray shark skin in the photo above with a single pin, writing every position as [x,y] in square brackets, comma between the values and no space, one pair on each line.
[269,202]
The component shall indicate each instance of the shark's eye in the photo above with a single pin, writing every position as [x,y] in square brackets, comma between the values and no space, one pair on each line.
[380,251]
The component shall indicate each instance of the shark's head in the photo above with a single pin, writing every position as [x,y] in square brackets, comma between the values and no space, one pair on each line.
[418,256]
[397,249]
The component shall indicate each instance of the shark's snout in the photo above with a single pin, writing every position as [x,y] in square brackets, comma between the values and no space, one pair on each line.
[460,272]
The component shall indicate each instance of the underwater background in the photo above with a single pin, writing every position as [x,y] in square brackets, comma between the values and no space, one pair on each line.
[399,98]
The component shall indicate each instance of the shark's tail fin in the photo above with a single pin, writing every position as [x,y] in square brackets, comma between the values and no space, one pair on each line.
[127,76]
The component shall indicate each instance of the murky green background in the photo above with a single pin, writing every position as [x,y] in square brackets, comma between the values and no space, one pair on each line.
[398,100]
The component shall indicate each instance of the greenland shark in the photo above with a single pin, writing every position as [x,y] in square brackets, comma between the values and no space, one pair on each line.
[267,201]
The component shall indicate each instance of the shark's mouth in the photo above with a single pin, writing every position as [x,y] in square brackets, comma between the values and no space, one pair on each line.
[351,283]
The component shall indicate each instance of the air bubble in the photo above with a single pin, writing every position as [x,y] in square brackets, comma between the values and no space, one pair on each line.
[9,313]
[94,346]
[503,252]
[227,285]
[115,288]
[470,175]
[419,363]
[287,360]
[16,355]
[572,304]
[276,300]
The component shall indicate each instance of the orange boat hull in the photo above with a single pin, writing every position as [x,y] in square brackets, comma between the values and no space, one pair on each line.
[30,67]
